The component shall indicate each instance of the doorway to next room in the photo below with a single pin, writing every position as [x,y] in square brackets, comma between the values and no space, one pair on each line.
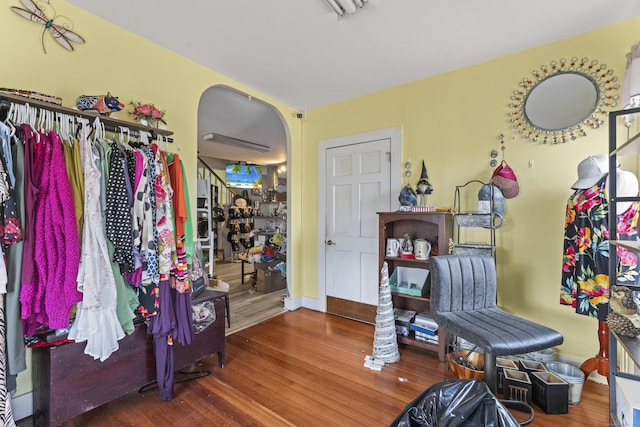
[242,203]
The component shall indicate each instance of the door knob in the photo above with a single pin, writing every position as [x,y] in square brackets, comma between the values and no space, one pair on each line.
[330,242]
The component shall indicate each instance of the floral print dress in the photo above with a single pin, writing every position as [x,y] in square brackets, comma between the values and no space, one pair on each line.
[585,267]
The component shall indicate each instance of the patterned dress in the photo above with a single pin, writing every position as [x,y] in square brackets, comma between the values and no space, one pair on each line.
[585,267]
[118,215]
[96,320]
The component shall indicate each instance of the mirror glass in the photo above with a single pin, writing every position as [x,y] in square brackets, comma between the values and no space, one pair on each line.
[561,101]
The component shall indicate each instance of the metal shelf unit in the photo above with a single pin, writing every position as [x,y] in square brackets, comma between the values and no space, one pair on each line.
[475,219]
[631,346]
[205,232]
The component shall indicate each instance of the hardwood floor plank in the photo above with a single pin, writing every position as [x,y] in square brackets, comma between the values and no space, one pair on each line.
[247,307]
[305,368]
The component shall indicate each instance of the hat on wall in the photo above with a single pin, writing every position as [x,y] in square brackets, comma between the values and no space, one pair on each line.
[590,171]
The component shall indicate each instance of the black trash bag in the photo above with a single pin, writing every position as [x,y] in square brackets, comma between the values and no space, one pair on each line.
[453,403]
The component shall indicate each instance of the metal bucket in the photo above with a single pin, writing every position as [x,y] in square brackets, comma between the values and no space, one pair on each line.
[574,376]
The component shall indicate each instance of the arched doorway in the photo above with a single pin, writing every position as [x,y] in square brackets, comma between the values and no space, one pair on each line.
[234,129]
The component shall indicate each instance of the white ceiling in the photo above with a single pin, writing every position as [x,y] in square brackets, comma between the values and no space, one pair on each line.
[298,51]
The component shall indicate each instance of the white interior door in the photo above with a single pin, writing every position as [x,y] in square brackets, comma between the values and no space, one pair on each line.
[358,185]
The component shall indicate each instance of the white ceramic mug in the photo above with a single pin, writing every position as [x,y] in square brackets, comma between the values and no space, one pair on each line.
[422,249]
[393,247]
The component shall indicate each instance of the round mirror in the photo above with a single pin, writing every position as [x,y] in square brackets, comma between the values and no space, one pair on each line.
[562,100]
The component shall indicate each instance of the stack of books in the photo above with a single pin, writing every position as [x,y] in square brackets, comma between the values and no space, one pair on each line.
[425,328]
[403,320]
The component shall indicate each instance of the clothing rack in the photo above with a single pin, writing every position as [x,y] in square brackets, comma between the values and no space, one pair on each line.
[110,124]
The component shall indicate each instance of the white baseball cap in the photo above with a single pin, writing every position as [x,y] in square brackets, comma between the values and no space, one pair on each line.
[590,171]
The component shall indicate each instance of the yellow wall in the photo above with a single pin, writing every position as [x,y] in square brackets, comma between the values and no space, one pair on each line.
[453,121]
[133,69]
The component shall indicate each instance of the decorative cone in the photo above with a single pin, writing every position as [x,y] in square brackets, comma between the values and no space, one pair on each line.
[385,341]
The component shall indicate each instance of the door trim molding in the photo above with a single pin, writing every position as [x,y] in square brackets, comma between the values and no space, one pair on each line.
[395,136]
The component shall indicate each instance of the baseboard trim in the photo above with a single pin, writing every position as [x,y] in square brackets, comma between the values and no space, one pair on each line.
[301,302]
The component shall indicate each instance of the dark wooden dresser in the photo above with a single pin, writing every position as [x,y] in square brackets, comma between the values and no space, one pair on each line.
[67,382]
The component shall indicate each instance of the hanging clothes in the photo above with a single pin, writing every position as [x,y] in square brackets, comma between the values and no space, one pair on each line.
[585,268]
[50,290]
[151,274]
[32,166]
[141,206]
[149,291]
[180,272]
[118,213]
[6,415]
[188,225]
[96,320]
[73,163]
[585,272]
[127,299]
[585,277]
[179,269]
[16,360]
[11,234]
[628,268]
[164,216]
[163,327]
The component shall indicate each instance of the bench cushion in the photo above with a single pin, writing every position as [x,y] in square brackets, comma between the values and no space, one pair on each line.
[499,332]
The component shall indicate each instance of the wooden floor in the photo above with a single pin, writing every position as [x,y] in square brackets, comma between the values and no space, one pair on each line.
[247,307]
[305,368]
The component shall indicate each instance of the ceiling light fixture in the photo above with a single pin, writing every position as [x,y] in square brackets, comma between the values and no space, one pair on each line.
[346,6]
[229,140]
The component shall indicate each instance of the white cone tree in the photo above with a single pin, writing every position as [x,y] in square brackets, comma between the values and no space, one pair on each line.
[385,341]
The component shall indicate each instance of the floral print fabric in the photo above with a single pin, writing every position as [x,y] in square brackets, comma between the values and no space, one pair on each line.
[585,267]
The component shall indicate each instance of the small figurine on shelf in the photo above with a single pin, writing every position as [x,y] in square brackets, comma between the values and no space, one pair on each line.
[623,317]
[407,198]
[406,247]
[102,104]
[423,187]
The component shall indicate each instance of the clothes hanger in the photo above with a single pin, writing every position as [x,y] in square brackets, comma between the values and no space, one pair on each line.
[66,125]
[99,130]
[39,121]
[9,120]
[49,122]
[122,141]
[80,124]
[144,137]
[161,139]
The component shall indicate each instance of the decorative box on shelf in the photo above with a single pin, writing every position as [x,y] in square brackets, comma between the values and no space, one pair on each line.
[517,386]
[530,366]
[503,363]
[550,392]
[409,281]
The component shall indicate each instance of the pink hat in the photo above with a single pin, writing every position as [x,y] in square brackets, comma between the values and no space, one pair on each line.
[590,171]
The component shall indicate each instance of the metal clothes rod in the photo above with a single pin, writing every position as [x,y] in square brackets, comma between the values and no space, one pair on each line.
[111,124]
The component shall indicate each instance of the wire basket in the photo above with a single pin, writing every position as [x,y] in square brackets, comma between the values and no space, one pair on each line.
[473,249]
[466,364]
[473,219]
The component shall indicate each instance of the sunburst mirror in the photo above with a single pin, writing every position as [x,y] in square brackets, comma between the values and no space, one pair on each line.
[562,100]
